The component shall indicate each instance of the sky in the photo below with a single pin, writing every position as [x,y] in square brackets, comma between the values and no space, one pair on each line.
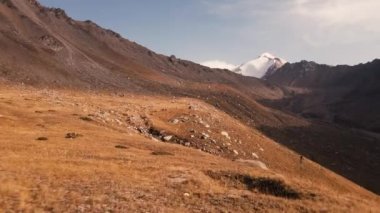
[231,32]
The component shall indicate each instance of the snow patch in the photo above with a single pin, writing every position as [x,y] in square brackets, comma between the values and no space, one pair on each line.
[218,64]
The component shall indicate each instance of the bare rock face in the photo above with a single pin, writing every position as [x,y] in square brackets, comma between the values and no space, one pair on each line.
[51,43]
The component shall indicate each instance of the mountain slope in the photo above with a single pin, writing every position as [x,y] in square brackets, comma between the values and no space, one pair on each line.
[90,151]
[44,48]
[346,95]
[343,96]
[53,48]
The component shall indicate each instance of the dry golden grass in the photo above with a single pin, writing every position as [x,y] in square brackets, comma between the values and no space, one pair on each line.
[89,173]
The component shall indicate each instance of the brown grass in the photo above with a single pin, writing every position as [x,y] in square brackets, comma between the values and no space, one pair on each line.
[266,185]
[89,174]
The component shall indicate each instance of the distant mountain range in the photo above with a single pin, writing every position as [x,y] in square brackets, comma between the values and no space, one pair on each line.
[347,95]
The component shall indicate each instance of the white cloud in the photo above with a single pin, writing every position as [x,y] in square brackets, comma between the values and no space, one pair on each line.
[339,12]
[219,64]
[314,22]
[325,22]
[244,8]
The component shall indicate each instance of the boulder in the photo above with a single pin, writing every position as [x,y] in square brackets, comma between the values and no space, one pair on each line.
[168,137]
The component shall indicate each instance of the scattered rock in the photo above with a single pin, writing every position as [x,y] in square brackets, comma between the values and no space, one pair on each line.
[172,59]
[161,153]
[255,155]
[225,134]
[185,118]
[236,152]
[85,118]
[205,136]
[142,130]
[121,147]
[175,121]
[72,135]
[168,137]
[42,139]
[186,194]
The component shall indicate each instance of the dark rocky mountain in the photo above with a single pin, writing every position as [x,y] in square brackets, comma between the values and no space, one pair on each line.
[345,95]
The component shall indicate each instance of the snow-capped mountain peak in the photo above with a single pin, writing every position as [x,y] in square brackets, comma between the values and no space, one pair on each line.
[265,64]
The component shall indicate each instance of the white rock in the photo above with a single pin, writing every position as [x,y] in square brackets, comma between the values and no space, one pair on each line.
[175,121]
[236,152]
[255,155]
[225,134]
[205,136]
[168,138]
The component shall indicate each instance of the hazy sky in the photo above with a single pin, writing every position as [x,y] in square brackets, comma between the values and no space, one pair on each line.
[235,31]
